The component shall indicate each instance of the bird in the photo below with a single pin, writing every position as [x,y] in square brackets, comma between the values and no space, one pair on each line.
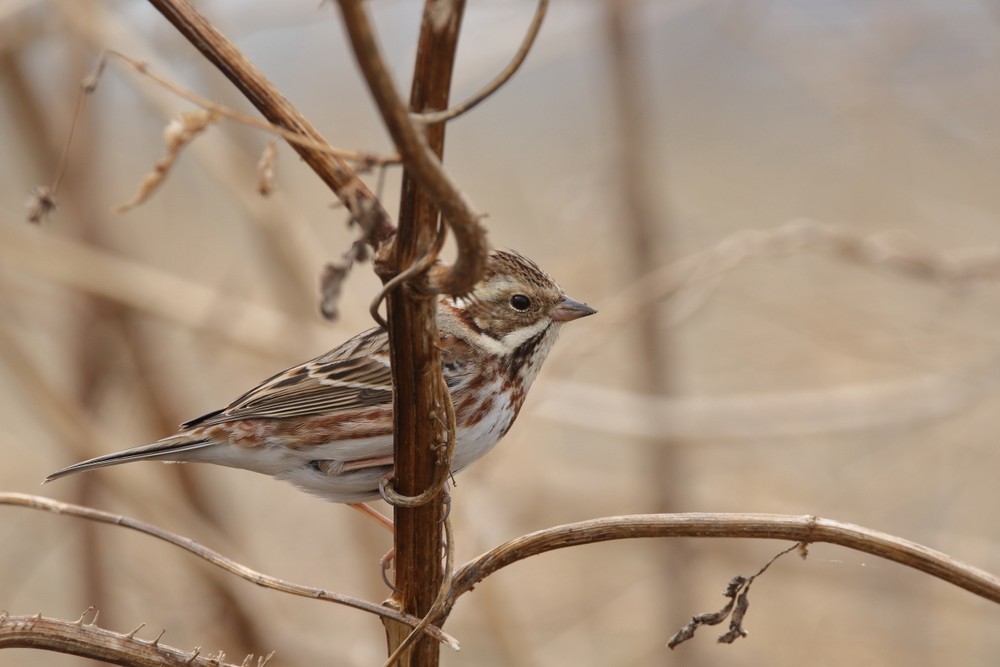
[326,425]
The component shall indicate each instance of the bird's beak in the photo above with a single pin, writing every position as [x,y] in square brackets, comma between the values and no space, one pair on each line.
[568,310]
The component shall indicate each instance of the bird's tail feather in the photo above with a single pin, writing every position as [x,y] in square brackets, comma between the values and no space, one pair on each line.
[166,449]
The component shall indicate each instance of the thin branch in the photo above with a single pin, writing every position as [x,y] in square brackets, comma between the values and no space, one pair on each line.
[805,529]
[71,424]
[86,88]
[215,558]
[291,137]
[283,248]
[266,97]
[431,117]
[420,161]
[42,200]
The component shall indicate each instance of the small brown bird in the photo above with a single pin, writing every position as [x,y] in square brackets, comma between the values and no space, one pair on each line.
[326,425]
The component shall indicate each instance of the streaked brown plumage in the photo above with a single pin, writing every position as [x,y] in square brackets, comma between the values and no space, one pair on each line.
[326,425]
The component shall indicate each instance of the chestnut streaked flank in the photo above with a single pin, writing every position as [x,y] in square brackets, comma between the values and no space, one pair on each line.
[326,425]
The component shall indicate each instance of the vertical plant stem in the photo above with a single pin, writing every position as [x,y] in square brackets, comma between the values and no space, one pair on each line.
[419,388]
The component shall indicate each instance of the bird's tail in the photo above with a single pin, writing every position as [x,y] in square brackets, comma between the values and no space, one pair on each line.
[166,449]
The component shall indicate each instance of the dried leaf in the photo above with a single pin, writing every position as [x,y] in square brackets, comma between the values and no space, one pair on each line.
[335,273]
[709,618]
[40,204]
[736,630]
[266,167]
[737,591]
[331,283]
[178,133]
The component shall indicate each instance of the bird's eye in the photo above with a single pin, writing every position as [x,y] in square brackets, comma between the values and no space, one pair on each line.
[520,302]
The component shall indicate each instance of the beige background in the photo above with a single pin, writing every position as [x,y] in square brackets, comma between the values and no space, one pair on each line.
[801,380]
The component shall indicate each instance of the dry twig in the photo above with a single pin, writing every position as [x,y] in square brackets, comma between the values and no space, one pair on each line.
[265,96]
[217,559]
[431,117]
[419,160]
[42,200]
[800,529]
[361,159]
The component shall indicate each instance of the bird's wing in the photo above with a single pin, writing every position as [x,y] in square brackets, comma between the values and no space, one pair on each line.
[353,376]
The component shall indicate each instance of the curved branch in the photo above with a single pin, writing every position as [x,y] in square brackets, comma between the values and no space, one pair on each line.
[431,117]
[217,559]
[222,53]
[89,641]
[806,529]
[419,160]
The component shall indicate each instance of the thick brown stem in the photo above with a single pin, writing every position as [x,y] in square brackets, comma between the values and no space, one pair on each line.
[419,387]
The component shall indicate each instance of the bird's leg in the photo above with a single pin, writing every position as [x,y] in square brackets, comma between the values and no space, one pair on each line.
[383,520]
[386,561]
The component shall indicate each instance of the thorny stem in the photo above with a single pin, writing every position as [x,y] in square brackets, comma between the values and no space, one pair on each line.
[87,640]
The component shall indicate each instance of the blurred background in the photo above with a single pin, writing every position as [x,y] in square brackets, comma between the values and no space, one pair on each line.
[845,368]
